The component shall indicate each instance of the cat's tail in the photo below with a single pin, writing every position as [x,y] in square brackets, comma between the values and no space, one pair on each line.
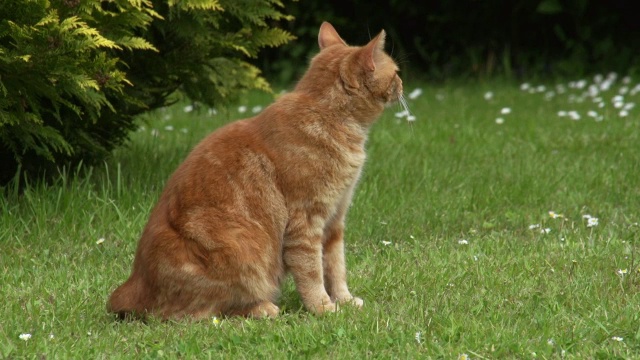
[127,301]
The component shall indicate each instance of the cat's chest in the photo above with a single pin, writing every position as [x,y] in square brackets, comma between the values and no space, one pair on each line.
[321,174]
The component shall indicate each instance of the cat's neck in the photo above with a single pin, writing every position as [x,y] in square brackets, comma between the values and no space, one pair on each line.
[333,99]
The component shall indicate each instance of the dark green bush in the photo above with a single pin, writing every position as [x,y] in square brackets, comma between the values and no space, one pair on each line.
[74,73]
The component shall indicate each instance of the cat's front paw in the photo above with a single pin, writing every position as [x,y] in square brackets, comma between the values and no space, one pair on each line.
[323,307]
[352,300]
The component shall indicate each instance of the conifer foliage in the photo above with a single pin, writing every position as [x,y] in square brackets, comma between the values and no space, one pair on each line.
[74,73]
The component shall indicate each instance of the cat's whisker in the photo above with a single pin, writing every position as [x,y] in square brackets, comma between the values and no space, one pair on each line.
[406,112]
[403,102]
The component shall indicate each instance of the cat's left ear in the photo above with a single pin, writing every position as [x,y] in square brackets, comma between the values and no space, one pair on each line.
[371,53]
[328,36]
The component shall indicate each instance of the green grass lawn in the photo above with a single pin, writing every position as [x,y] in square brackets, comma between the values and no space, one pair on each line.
[449,240]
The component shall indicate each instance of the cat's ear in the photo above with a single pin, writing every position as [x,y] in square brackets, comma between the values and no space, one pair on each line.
[328,36]
[371,53]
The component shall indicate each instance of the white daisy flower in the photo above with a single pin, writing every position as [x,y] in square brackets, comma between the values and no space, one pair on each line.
[25,337]
[402,114]
[555,215]
[574,115]
[505,111]
[415,93]
[622,272]
[606,85]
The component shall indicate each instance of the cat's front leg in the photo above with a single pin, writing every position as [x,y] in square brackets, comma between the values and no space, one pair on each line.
[335,272]
[303,258]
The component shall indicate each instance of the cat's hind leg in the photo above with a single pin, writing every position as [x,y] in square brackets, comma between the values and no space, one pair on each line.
[260,310]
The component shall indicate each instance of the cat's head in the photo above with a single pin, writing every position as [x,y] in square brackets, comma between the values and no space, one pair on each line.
[365,73]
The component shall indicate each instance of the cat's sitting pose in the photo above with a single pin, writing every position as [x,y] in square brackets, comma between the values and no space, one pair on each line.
[265,196]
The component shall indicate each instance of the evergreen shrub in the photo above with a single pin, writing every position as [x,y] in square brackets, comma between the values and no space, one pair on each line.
[74,73]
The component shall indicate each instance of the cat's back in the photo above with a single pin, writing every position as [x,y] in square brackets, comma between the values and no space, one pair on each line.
[228,152]
[227,178]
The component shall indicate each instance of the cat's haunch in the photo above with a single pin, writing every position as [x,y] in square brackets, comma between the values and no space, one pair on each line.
[264,196]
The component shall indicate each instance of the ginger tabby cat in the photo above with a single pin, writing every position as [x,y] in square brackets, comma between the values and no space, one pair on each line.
[264,196]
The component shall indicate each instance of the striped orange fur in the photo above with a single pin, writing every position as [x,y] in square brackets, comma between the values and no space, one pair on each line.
[265,196]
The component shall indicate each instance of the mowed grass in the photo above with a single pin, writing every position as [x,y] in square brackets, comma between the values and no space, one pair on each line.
[449,240]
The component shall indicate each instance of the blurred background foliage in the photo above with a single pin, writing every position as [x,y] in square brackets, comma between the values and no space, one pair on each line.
[439,40]
[74,74]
